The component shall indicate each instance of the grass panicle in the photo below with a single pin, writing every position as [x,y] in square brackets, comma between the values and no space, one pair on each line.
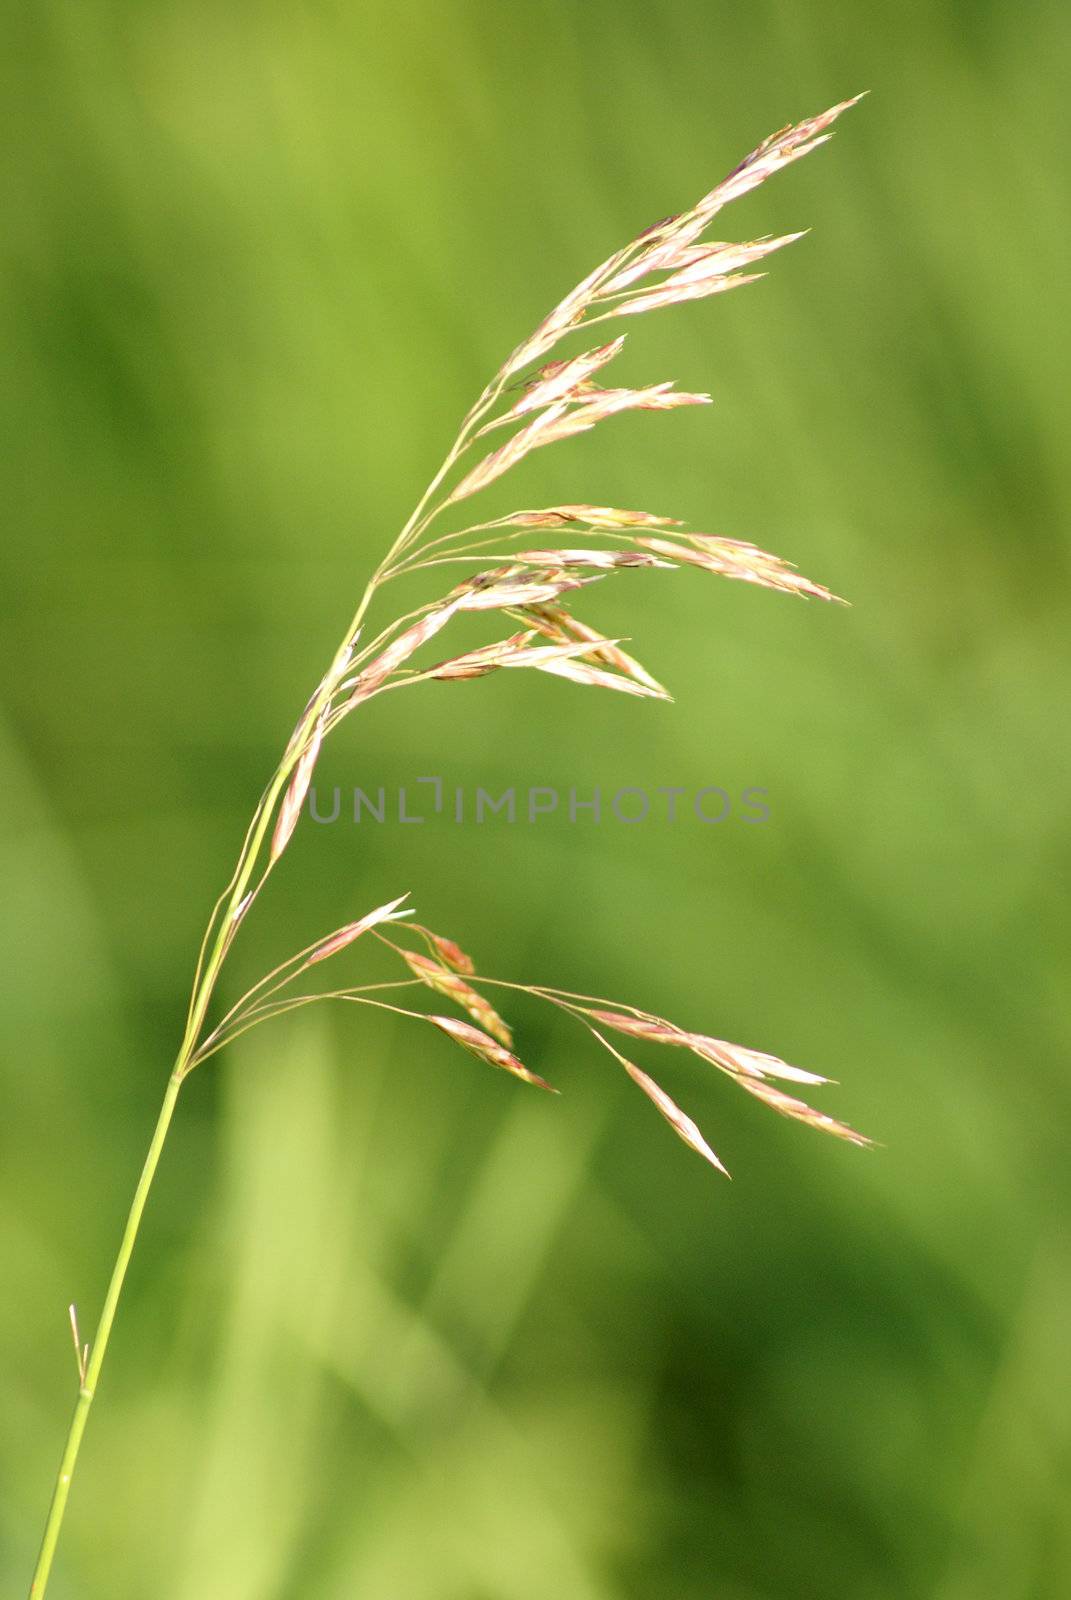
[537,399]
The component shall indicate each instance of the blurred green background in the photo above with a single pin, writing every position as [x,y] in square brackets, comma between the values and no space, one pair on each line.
[398,1328]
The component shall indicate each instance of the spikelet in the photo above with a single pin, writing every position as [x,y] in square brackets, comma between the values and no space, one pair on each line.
[566,314]
[393,911]
[751,1069]
[606,518]
[557,623]
[679,1121]
[600,403]
[513,586]
[772,154]
[715,260]
[670,244]
[399,651]
[789,1106]
[454,987]
[740,1062]
[566,660]
[297,789]
[690,263]
[487,1049]
[655,299]
[556,422]
[450,952]
[562,664]
[733,558]
[478,663]
[732,1058]
[609,559]
[562,378]
[563,420]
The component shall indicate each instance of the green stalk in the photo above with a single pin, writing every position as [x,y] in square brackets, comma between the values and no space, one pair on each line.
[99,1346]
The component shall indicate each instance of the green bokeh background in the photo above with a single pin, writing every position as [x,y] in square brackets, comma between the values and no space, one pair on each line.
[398,1328]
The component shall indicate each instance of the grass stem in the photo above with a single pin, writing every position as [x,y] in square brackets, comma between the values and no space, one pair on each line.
[99,1345]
